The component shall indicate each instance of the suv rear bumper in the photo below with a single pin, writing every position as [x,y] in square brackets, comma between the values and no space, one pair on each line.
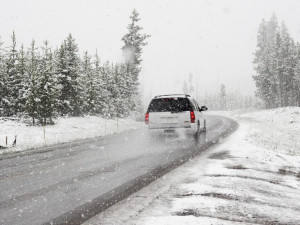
[190,126]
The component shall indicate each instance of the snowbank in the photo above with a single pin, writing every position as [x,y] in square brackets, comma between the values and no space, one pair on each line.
[253,177]
[64,130]
[276,129]
[277,116]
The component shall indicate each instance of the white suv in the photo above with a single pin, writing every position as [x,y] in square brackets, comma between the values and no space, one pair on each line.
[170,112]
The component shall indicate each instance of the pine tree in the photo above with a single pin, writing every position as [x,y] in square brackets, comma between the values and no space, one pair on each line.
[120,91]
[63,81]
[23,76]
[100,86]
[68,70]
[115,91]
[266,61]
[127,93]
[47,86]
[293,78]
[90,83]
[260,66]
[191,87]
[278,76]
[296,80]
[287,65]
[3,81]
[108,78]
[134,41]
[185,88]
[73,68]
[223,96]
[13,80]
[31,95]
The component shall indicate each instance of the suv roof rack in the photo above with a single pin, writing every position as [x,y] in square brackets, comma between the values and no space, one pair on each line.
[184,95]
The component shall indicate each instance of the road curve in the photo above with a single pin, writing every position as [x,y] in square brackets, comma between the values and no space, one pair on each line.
[71,183]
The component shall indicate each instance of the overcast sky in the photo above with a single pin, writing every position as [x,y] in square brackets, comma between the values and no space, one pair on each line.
[212,39]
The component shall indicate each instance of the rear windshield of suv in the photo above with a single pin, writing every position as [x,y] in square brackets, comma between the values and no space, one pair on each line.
[170,105]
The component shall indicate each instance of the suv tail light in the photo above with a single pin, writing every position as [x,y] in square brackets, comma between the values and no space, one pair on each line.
[147,118]
[192,117]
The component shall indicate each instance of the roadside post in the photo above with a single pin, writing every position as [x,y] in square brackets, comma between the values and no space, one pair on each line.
[117,124]
[44,131]
[105,126]
[15,141]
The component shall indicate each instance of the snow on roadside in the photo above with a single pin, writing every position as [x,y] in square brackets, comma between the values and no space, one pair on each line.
[277,129]
[244,180]
[64,130]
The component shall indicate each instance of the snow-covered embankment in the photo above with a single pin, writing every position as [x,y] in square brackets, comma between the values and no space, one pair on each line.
[64,130]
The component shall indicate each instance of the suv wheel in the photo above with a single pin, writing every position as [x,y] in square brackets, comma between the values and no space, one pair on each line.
[198,127]
[204,128]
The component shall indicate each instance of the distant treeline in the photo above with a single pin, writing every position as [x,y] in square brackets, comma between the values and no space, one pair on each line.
[43,83]
[230,100]
[277,63]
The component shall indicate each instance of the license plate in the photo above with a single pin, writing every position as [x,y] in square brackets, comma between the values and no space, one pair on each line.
[169,120]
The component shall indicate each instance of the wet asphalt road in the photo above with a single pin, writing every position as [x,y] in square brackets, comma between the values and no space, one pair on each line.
[71,183]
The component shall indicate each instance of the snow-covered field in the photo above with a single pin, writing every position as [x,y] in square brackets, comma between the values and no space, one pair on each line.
[252,177]
[64,130]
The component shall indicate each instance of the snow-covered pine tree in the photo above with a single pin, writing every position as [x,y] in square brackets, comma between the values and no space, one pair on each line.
[134,41]
[62,78]
[259,61]
[293,94]
[90,83]
[47,86]
[73,68]
[191,87]
[266,62]
[188,87]
[278,76]
[223,105]
[3,81]
[23,75]
[185,88]
[115,91]
[100,85]
[272,61]
[107,91]
[13,80]
[127,90]
[121,93]
[285,56]
[31,94]
[68,70]
[296,78]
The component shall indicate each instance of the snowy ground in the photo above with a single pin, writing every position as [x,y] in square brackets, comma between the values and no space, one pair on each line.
[252,177]
[64,130]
